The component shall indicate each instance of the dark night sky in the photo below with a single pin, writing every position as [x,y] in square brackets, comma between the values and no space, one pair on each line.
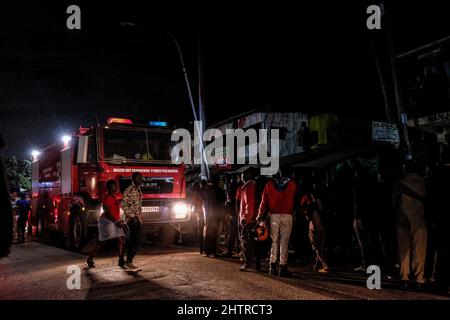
[293,57]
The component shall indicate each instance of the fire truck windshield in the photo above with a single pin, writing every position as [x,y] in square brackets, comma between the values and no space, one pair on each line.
[136,144]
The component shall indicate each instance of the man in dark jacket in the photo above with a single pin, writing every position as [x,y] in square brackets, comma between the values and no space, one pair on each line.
[23,207]
[198,211]
[233,209]
[213,203]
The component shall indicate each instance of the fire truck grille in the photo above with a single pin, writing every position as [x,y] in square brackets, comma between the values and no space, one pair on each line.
[143,145]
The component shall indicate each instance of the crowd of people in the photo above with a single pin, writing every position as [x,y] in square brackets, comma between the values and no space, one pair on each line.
[397,221]
[257,205]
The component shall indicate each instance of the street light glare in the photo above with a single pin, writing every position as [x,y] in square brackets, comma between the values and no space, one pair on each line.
[66,138]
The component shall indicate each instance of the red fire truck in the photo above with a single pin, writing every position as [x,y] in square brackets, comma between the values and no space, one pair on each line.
[69,180]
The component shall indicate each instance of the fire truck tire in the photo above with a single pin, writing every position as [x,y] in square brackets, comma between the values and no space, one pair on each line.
[166,236]
[78,232]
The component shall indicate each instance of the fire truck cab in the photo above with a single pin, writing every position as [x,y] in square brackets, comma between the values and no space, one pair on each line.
[69,180]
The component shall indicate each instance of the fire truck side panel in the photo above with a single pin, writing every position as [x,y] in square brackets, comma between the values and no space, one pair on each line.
[66,171]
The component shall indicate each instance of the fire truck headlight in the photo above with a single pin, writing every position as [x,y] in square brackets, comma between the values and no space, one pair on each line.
[181,210]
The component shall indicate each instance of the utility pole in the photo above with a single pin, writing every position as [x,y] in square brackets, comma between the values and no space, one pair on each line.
[381,78]
[401,114]
[190,96]
[201,107]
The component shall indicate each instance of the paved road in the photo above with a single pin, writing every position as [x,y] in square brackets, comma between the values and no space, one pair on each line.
[38,271]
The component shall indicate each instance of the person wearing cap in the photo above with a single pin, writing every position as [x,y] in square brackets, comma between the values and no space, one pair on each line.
[233,210]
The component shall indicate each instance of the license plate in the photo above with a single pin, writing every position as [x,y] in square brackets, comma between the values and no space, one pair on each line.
[150,209]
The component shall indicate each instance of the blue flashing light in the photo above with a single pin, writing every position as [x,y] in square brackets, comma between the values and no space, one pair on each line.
[158,123]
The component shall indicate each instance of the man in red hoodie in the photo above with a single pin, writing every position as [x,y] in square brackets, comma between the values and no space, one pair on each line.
[278,199]
[247,216]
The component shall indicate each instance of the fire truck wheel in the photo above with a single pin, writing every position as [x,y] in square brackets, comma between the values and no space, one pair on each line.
[166,236]
[78,232]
